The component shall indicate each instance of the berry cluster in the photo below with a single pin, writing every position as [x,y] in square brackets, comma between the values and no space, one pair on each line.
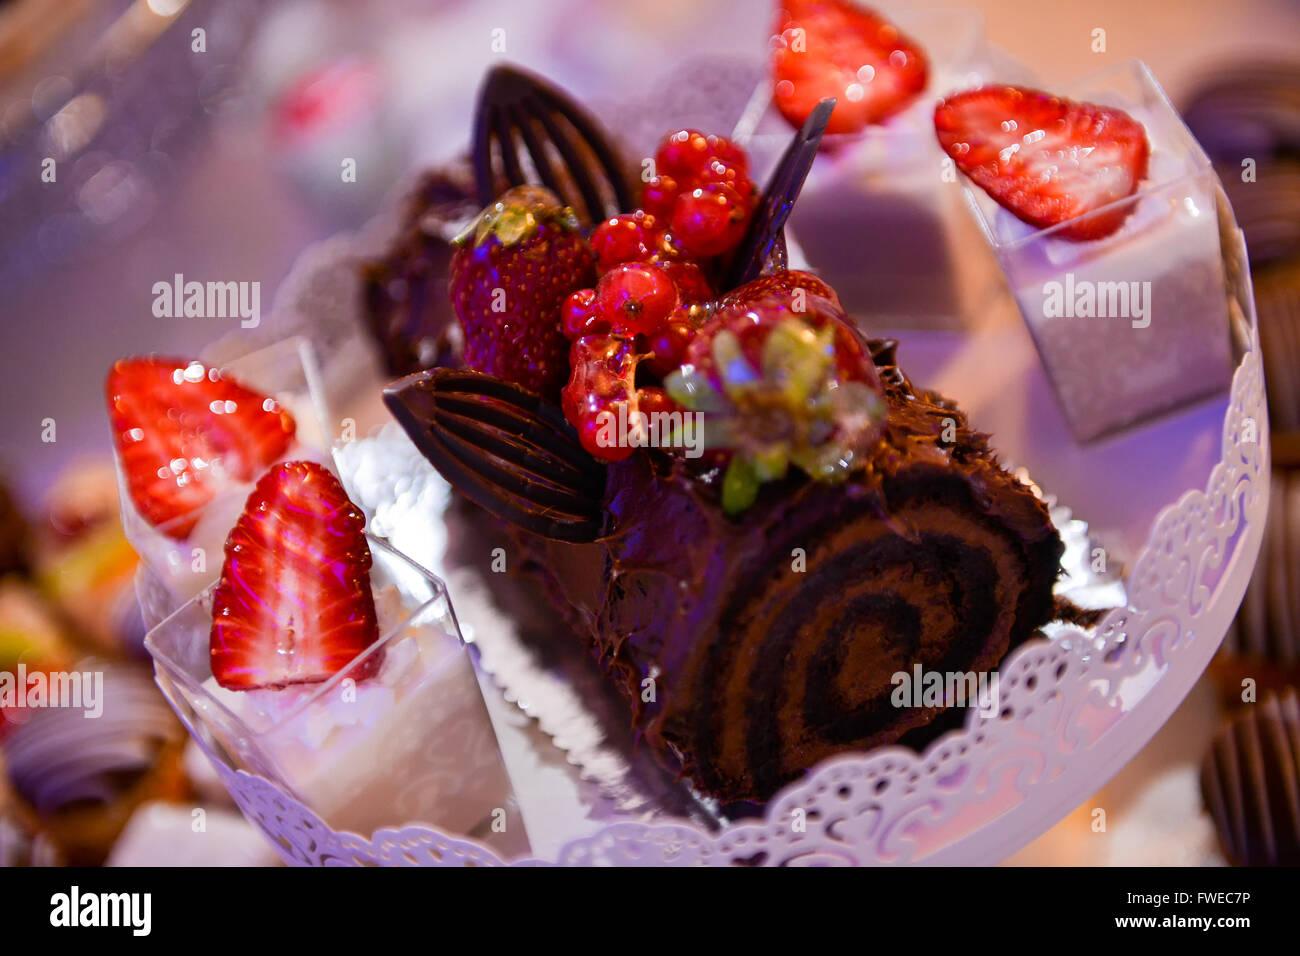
[703,191]
[654,289]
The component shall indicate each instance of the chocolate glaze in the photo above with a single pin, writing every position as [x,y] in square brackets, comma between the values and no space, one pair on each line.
[741,647]
[407,305]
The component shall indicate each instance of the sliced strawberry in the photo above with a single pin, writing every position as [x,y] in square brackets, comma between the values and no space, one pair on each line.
[293,605]
[183,430]
[1046,159]
[836,48]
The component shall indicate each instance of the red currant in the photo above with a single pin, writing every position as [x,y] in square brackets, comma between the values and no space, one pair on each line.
[579,315]
[710,219]
[593,432]
[729,154]
[625,238]
[716,171]
[659,195]
[667,346]
[635,297]
[692,285]
[683,154]
[652,399]
[602,377]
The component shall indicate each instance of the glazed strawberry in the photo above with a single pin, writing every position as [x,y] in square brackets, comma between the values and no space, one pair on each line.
[510,273]
[779,387]
[837,48]
[185,431]
[1046,159]
[752,321]
[293,605]
[781,284]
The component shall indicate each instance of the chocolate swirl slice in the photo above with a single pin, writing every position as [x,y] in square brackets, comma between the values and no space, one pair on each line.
[1250,781]
[504,448]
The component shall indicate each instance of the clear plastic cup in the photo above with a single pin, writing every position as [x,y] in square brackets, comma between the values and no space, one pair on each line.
[880,216]
[412,744]
[1158,333]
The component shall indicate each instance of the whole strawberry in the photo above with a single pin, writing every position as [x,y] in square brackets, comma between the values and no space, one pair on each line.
[511,270]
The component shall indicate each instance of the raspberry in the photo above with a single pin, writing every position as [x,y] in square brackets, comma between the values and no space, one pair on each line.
[635,298]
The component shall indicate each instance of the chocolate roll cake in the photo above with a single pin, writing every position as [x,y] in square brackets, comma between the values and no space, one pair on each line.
[750,649]
[407,307]
[755,594]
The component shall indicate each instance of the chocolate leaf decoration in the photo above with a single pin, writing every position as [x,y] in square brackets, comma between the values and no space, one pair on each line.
[765,233]
[520,114]
[504,448]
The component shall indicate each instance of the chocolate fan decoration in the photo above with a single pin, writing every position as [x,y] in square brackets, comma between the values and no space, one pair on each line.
[504,448]
[518,109]
[765,229]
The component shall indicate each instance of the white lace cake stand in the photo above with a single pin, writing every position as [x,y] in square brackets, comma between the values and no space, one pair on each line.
[1076,708]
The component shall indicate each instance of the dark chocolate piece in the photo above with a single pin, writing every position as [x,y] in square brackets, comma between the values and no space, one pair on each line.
[766,229]
[1250,782]
[504,448]
[1267,208]
[518,114]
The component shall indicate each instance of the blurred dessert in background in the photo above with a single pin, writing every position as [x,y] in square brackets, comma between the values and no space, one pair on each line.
[1245,116]
[15,536]
[406,298]
[84,564]
[1263,645]
[78,778]
[1250,782]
